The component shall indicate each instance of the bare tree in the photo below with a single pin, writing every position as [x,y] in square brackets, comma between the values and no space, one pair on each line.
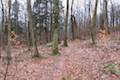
[30,23]
[51,20]
[66,24]
[93,24]
[112,14]
[73,35]
[15,14]
[106,15]
[55,26]
[8,48]
[2,23]
[9,31]
[89,10]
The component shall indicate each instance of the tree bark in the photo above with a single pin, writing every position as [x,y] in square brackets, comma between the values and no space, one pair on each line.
[30,23]
[9,31]
[55,26]
[106,15]
[2,23]
[72,20]
[93,24]
[66,25]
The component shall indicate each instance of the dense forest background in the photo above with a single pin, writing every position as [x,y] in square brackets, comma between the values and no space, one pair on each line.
[42,15]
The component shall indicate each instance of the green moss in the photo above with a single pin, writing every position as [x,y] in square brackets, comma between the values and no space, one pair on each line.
[55,52]
[113,68]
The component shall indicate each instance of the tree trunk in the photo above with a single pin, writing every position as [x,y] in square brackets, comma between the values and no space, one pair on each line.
[9,31]
[72,19]
[106,16]
[66,24]
[29,37]
[51,21]
[112,14]
[2,32]
[93,24]
[16,17]
[30,22]
[55,26]
[75,28]
[2,25]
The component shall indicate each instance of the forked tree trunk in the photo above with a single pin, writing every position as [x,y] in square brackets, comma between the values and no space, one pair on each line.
[74,24]
[30,22]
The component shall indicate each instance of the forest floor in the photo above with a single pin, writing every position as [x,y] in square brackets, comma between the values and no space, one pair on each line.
[79,61]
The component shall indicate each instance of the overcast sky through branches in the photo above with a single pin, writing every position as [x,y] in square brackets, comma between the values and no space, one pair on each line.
[78,4]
